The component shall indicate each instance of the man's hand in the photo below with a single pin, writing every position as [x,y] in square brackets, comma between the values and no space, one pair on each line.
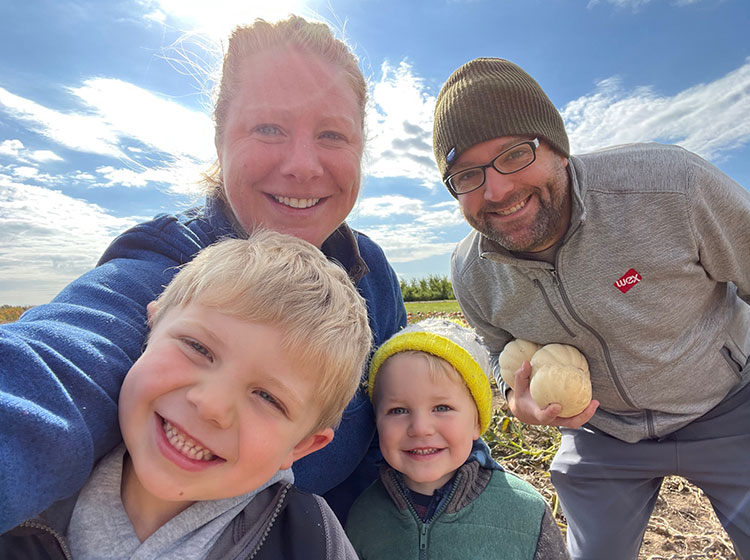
[527,411]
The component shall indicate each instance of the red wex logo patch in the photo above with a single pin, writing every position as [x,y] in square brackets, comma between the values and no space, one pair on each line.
[628,280]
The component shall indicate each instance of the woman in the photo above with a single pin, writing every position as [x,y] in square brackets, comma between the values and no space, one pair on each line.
[289,139]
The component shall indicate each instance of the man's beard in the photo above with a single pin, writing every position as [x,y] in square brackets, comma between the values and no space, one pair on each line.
[548,222]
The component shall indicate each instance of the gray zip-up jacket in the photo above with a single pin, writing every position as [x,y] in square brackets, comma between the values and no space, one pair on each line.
[279,522]
[651,283]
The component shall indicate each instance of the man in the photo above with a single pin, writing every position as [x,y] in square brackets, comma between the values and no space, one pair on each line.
[637,255]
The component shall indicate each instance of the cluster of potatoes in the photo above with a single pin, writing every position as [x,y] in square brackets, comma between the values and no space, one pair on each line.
[559,374]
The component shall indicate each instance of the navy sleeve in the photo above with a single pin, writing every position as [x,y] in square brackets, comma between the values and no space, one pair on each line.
[61,366]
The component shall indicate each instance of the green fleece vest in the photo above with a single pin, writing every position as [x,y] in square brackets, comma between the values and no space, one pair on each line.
[502,522]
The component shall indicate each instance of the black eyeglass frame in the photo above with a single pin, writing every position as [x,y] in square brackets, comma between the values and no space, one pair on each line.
[534,144]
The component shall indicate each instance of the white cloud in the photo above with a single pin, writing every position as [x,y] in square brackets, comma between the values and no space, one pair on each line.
[632,4]
[390,205]
[181,177]
[420,232]
[178,141]
[116,113]
[44,155]
[709,119]
[410,241]
[25,171]
[218,17]
[399,126]
[434,215]
[11,147]
[47,239]
[440,219]
[80,132]
[636,5]
[135,114]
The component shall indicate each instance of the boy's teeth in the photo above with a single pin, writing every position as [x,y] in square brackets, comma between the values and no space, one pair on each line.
[185,445]
[297,202]
[424,451]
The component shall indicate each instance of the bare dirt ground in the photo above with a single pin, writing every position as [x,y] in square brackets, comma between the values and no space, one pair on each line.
[683,525]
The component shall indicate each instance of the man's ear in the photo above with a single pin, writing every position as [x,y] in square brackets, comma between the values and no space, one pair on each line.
[310,444]
[151,308]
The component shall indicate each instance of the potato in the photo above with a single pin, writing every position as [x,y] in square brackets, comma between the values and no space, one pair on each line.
[512,357]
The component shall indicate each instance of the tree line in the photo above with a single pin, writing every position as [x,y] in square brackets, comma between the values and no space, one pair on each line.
[431,288]
[9,313]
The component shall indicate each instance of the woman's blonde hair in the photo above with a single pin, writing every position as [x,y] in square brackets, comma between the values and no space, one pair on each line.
[261,36]
[279,280]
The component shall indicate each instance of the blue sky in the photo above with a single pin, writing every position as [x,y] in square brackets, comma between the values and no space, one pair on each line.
[103,124]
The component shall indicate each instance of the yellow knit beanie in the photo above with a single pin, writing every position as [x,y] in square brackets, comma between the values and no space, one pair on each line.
[459,346]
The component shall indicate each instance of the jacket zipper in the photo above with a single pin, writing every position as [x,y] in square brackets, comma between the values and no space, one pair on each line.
[274,515]
[551,308]
[47,529]
[424,528]
[602,342]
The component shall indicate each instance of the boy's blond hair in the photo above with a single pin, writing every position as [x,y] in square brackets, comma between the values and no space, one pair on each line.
[280,280]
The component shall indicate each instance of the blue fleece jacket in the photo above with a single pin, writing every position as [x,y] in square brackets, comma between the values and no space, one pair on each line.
[61,364]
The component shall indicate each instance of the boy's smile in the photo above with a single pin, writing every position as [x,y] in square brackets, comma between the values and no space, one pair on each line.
[189,453]
[427,423]
[213,409]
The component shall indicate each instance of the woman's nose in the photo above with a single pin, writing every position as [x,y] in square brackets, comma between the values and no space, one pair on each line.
[302,160]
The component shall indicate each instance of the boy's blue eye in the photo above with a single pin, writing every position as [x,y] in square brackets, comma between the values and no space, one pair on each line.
[443,408]
[199,348]
[398,410]
[269,398]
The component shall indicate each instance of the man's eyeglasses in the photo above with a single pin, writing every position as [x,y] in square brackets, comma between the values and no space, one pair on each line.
[515,158]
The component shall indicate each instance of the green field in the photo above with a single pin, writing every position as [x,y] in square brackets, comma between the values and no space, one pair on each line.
[443,306]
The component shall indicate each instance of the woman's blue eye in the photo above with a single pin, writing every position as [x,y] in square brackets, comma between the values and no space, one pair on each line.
[332,135]
[267,129]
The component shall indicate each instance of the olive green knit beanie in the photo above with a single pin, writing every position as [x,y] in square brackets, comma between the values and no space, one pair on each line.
[488,98]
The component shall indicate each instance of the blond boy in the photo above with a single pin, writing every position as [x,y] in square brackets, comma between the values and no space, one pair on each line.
[440,494]
[255,349]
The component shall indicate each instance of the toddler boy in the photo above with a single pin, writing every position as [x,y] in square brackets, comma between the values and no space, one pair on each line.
[255,349]
[440,493]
